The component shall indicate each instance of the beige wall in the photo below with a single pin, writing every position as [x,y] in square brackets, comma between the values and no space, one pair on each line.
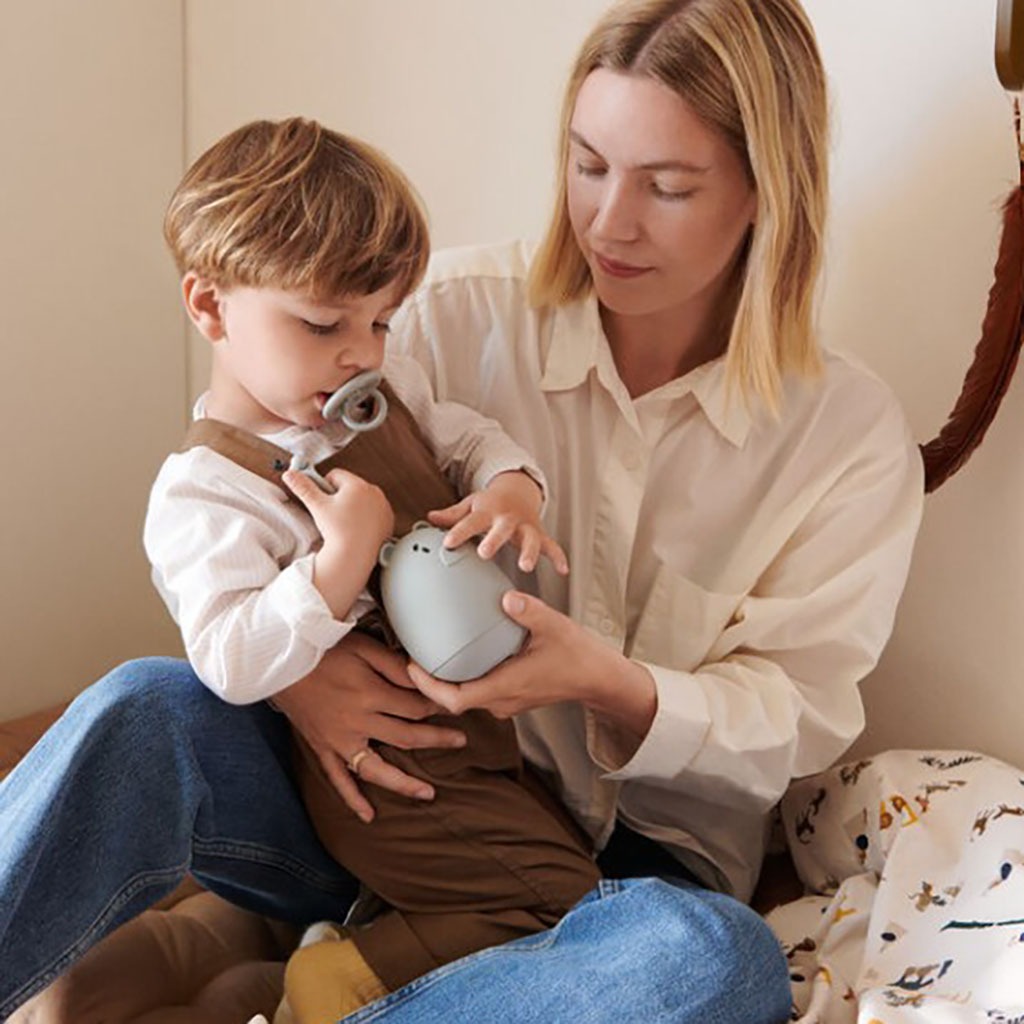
[464,94]
[924,157]
[93,387]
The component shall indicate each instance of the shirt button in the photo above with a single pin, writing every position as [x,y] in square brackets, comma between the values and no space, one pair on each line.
[607,626]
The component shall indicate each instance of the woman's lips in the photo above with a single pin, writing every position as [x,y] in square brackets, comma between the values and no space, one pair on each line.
[613,268]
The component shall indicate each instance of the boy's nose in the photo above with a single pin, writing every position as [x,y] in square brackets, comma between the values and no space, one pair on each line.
[364,350]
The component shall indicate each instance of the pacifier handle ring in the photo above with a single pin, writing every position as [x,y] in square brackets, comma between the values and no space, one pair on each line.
[345,404]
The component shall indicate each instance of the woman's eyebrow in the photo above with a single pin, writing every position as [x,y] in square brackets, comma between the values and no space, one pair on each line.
[655,165]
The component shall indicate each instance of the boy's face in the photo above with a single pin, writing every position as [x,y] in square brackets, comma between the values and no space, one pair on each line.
[278,355]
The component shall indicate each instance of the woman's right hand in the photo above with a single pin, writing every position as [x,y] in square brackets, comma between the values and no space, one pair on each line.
[360,692]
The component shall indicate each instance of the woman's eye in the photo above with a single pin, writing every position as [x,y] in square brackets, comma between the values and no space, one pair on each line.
[671,194]
[589,170]
[315,328]
[381,327]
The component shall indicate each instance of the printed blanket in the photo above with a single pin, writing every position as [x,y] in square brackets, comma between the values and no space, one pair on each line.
[915,861]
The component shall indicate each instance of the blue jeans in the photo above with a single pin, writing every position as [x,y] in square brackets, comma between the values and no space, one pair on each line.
[148,776]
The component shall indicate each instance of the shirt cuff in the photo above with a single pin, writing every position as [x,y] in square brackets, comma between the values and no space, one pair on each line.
[486,472]
[676,735]
[303,609]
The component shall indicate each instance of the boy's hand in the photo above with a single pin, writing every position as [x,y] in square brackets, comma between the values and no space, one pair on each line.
[354,521]
[508,509]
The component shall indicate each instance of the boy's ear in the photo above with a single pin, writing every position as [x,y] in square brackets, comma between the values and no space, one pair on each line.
[203,304]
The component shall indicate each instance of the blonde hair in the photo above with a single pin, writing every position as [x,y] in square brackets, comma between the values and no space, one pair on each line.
[751,70]
[292,205]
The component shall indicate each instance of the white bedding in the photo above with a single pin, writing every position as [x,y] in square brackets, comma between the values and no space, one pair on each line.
[917,860]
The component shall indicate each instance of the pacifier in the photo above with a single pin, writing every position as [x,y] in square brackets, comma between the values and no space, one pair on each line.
[358,403]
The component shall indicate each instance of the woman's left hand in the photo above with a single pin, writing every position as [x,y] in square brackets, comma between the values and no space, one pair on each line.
[560,661]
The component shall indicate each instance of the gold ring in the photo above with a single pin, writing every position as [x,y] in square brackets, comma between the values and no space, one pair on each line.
[357,759]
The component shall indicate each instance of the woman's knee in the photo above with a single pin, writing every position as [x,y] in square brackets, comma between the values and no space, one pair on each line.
[712,949]
[152,694]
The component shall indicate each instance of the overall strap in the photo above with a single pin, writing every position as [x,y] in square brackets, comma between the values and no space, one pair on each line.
[395,457]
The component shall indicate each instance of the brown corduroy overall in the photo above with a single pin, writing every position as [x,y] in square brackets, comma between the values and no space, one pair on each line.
[494,855]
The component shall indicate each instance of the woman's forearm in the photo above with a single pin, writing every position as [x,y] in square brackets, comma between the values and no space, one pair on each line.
[626,698]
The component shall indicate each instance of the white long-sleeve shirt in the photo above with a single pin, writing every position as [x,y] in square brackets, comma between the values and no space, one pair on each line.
[232,557]
[753,565]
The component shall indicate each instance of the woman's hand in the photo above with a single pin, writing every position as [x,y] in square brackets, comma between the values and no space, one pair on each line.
[360,692]
[561,661]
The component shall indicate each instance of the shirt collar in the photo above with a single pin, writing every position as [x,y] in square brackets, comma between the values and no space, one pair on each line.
[293,438]
[576,340]
[578,344]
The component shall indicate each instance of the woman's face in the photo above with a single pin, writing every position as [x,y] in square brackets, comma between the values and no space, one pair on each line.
[659,202]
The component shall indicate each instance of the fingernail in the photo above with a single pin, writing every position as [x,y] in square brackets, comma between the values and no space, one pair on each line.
[425,794]
[515,603]
[460,741]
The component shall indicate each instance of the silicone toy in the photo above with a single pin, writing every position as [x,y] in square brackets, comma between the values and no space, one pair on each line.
[445,605]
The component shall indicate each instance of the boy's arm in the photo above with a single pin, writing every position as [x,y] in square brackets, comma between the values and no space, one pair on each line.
[504,488]
[471,449]
[230,560]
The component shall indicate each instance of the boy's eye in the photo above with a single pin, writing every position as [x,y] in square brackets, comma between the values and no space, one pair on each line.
[315,328]
[381,327]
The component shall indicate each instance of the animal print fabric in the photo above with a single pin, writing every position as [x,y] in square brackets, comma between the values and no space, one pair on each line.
[914,862]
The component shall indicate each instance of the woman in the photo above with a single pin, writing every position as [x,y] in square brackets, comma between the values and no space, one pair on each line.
[739,510]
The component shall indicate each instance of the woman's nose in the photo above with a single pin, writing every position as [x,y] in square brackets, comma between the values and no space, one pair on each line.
[616,216]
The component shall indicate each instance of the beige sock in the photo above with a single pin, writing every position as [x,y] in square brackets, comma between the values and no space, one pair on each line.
[329,980]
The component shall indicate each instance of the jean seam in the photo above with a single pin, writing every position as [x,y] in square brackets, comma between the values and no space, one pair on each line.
[134,886]
[258,854]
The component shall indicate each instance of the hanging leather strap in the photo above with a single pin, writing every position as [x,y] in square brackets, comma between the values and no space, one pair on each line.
[395,457]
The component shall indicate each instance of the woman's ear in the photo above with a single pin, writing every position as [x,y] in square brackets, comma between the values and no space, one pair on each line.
[203,304]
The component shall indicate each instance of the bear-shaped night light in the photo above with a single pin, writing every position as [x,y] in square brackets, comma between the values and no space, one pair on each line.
[445,605]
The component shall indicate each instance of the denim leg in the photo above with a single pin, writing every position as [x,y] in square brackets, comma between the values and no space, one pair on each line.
[148,776]
[638,950]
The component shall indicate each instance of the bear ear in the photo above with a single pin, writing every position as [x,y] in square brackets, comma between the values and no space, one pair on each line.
[420,524]
[387,549]
[450,556]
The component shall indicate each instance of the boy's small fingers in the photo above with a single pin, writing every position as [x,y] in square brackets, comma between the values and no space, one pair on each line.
[449,515]
[300,485]
[462,531]
[497,536]
[529,549]
[555,555]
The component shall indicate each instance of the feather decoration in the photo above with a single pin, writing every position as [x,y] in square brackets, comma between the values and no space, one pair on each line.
[995,356]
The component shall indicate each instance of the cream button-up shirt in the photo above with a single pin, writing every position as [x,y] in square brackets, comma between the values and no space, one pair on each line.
[752,564]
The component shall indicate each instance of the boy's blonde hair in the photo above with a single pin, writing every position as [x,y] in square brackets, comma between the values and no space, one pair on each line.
[751,71]
[292,205]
